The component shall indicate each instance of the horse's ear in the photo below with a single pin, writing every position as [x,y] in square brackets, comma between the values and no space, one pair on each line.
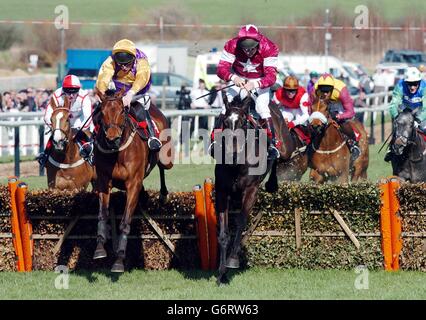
[66,102]
[100,94]
[246,103]
[53,102]
[225,100]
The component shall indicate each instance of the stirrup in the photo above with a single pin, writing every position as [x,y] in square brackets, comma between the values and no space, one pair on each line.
[90,160]
[355,152]
[154,144]
[210,149]
[42,158]
[273,152]
[388,156]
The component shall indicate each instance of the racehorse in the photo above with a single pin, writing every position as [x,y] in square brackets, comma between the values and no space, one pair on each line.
[123,160]
[329,157]
[409,149]
[65,168]
[293,161]
[236,185]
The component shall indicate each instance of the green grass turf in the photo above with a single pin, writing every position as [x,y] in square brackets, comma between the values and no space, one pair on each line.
[255,283]
[263,12]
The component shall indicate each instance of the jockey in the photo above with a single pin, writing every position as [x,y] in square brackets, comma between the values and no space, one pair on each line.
[294,102]
[341,108]
[313,79]
[128,68]
[250,61]
[80,111]
[410,93]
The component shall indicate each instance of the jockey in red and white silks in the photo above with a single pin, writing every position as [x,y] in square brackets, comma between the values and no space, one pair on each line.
[250,61]
[80,110]
[293,101]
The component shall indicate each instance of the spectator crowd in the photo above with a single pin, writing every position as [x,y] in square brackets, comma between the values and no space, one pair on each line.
[27,100]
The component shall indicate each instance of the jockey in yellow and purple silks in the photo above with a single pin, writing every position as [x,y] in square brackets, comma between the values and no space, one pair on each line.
[128,68]
[341,108]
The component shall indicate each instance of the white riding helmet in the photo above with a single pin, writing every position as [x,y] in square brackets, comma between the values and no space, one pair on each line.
[412,74]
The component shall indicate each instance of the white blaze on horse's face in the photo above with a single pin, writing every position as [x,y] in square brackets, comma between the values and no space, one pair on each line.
[57,134]
[234,118]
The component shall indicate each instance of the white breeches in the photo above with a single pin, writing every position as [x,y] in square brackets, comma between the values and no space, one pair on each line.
[262,99]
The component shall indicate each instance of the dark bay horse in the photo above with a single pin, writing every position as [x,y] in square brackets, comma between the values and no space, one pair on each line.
[65,168]
[237,178]
[123,160]
[408,148]
[293,161]
[329,156]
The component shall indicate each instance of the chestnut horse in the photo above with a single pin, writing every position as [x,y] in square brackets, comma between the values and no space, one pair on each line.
[293,161]
[65,168]
[123,160]
[329,157]
[238,175]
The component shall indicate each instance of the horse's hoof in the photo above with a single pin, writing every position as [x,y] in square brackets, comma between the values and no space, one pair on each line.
[118,266]
[271,187]
[233,263]
[222,280]
[100,252]
[163,198]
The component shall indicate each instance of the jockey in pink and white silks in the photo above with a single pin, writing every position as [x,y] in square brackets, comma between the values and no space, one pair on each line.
[80,111]
[250,61]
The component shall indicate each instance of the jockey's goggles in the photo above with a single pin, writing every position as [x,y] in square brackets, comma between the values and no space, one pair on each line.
[325,89]
[70,90]
[412,83]
[249,50]
[290,90]
[124,59]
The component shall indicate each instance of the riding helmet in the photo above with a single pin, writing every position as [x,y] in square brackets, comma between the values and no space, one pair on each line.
[71,84]
[291,83]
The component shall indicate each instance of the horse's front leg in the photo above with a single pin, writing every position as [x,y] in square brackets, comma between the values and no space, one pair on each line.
[103,227]
[223,237]
[272,184]
[248,200]
[223,242]
[132,191]
[163,188]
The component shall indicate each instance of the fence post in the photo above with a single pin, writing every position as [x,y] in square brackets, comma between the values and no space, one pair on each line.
[25,226]
[211,223]
[385,224]
[395,220]
[16,153]
[16,234]
[372,139]
[41,147]
[201,227]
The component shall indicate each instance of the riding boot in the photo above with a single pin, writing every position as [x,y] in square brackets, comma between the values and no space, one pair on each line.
[85,147]
[43,156]
[352,143]
[273,152]
[218,125]
[154,143]
[388,155]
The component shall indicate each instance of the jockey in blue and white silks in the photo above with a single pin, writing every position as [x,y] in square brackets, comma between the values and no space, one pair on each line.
[410,93]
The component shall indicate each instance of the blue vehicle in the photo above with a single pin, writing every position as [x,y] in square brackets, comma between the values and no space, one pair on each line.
[85,64]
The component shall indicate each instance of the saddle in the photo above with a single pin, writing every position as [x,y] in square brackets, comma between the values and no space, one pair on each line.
[302,134]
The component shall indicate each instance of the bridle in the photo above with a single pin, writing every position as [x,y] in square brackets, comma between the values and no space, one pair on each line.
[399,134]
[65,140]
